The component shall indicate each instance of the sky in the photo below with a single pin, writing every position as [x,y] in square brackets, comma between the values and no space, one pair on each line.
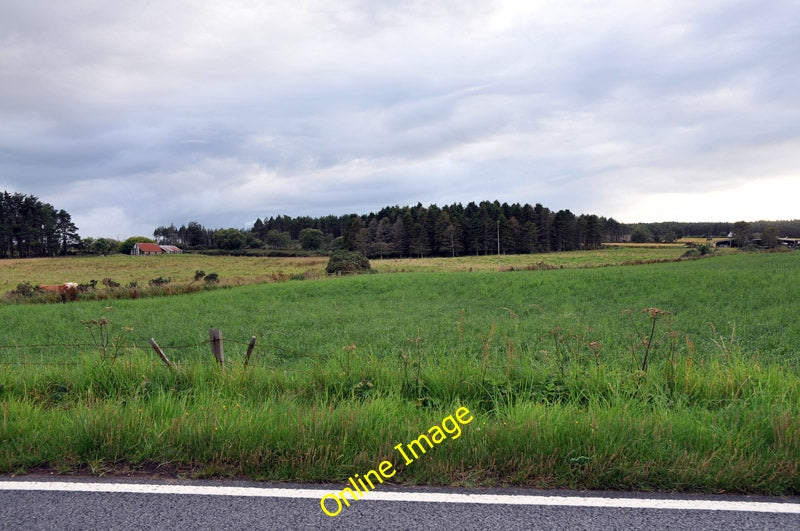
[132,115]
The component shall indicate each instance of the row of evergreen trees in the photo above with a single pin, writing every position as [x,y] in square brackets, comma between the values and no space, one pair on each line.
[482,228]
[448,231]
[30,228]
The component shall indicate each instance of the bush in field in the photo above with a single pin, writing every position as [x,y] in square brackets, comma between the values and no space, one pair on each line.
[91,286]
[24,289]
[700,250]
[347,262]
[212,278]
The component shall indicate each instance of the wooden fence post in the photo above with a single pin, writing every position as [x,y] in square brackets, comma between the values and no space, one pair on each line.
[216,345]
[160,353]
[250,348]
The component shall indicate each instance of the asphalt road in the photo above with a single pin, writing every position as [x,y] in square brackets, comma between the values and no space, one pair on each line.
[123,504]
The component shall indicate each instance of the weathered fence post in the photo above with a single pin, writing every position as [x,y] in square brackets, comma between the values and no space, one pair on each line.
[250,348]
[160,353]
[216,345]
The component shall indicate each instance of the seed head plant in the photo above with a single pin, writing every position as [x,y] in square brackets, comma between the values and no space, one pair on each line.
[108,346]
[642,338]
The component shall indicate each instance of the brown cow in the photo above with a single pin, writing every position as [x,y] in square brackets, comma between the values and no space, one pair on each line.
[67,290]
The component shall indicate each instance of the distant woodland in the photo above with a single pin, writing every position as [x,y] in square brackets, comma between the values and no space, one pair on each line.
[452,230]
[31,228]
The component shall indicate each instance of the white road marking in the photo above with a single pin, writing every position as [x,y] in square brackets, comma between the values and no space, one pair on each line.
[431,497]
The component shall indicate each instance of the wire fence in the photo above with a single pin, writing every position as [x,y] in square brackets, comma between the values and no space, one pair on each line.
[59,354]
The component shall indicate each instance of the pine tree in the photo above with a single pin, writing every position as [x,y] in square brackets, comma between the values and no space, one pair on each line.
[67,232]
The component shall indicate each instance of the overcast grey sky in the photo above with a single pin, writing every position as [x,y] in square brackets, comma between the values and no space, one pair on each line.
[136,114]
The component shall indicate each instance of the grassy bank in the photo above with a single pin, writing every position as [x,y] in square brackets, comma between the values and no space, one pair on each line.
[568,387]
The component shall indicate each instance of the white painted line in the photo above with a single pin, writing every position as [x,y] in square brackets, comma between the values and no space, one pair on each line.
[430,497]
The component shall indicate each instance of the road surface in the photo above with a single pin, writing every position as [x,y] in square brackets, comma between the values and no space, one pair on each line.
[36,502]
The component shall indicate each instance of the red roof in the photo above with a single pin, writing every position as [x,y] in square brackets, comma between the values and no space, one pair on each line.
[149,248]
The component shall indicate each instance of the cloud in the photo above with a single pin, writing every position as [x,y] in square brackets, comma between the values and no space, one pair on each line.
[775,196]
[228,111]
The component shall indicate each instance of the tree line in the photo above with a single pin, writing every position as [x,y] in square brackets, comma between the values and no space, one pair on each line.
[30,228]
[452,230]
[670,231]
[416,231]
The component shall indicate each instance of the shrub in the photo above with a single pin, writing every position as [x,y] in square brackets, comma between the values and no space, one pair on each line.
[160,281]
[24,289]
[91,286]
[212,278]
[347,262]
[698,251]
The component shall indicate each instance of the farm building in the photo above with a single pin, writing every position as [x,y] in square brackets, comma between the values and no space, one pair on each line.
[140,249]
[791,243]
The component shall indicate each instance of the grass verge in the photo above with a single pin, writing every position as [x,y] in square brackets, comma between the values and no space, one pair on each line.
[681,426]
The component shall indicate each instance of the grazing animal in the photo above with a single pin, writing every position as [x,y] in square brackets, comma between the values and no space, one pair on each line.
[67,290]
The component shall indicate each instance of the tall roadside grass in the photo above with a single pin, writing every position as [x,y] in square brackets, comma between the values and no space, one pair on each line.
[729,424]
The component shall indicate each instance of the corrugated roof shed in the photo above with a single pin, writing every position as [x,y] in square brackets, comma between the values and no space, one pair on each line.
[148,248]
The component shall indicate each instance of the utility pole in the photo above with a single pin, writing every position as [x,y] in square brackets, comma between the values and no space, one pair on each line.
[498,237]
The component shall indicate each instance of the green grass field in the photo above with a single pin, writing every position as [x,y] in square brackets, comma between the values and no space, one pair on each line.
[550,362]
[240,270]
